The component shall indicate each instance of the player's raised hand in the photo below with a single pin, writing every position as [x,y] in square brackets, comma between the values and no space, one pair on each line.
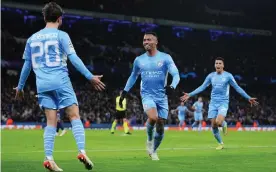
[19,94]
[185,97]
[97,83]
[253,101]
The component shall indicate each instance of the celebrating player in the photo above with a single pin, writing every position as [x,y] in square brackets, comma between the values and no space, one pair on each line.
[218,106]
[153,67]
[198,109]
[46,52]
[182,110]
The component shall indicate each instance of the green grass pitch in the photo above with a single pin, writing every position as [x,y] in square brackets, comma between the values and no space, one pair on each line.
[22,151]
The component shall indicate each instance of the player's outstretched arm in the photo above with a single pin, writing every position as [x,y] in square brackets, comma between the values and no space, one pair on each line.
[188,111]
[201,88]
[133,77]
[130,82]
[233,83]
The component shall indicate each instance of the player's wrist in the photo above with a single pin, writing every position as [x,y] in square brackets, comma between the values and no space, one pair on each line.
[90,76]
[20,87]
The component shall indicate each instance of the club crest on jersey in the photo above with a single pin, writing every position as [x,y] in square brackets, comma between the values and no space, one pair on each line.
[160,64]
[223,79]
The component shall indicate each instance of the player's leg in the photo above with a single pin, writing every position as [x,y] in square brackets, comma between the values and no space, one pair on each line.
[77,126]
[200,118]
[151,121]
[181,122]
[220,120]
[114,124]
[125,125]
[212,114]
[194,124]
[215,130]
[58,127]
[199,125]
[67,99]
[48,103]
[79,134]
[158,137]
[162,110]
[196,120]
[151,111]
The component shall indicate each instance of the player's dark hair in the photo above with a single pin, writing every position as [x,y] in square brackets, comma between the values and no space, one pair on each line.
[51,12]
[151,33]
[220,58]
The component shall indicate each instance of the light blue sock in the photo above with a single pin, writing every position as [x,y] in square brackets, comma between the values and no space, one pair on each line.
[217,134]
[78,132]
[157,140]
[49,141]
[200,126]
[194,124]
[223,123]
[149,131]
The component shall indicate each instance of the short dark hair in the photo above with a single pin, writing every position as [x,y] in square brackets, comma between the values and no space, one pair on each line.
[151,33]
[220,58]
[51,12]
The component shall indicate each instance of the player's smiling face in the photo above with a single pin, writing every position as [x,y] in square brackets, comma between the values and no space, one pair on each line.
[219,66]
[149,42]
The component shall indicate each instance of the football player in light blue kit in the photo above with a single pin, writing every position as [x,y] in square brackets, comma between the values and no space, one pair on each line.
[220,81]
[46,52]
[181,110]
[198,109]
[153,67]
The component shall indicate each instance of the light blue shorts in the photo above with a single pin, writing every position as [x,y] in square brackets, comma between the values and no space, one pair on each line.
[181,117]
[198,116]
[161,106]
[58,99]
[216,109]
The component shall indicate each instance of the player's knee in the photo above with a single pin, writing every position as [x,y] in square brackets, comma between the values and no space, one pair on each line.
[214,124]
[153,119]
[160,127]
[74,116]
[218,122]
[73,112]
[51,116]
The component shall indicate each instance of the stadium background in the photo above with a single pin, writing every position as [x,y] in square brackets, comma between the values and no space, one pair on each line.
[109,43]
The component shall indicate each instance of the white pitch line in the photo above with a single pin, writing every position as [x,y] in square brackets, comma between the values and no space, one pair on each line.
[139,149]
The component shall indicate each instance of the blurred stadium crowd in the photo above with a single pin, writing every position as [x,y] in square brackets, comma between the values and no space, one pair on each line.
[109,47]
